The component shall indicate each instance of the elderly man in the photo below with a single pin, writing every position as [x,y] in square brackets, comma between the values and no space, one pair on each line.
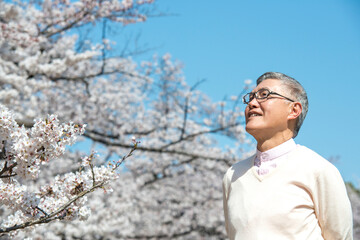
[285,191]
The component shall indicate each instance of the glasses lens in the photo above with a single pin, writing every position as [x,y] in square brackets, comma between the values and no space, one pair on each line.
[262,93]
[248,97]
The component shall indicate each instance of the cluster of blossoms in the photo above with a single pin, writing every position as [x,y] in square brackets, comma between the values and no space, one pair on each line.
[27,149]
[24,151]
[59,15]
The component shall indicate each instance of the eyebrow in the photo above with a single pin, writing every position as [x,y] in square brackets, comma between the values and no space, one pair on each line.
[261,89]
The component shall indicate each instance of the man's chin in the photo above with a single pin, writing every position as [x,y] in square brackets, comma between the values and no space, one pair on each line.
[251,129]
[252,126]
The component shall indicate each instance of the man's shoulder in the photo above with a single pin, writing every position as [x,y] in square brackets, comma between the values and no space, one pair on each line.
[245,163]
[307,154]
[240,167]
[308,157]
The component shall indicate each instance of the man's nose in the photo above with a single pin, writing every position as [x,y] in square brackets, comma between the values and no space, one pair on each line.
[253,103]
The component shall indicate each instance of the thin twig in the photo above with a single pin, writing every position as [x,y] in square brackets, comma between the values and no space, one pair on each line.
[8,169]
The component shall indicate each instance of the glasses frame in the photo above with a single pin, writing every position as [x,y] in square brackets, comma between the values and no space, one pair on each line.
[255,95]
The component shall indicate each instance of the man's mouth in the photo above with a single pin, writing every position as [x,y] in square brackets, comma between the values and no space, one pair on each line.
[254,115]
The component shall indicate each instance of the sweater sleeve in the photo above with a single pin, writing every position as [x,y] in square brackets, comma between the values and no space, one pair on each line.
[225,206]
[332,205]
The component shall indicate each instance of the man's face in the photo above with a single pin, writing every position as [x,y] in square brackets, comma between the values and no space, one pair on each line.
[267,117]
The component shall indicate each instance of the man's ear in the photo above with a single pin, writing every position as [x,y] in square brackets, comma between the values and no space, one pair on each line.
[295,110]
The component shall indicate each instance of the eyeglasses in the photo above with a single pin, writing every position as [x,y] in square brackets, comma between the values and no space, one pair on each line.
[261,94]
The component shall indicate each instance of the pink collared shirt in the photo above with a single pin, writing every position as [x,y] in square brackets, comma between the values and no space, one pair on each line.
[270,159]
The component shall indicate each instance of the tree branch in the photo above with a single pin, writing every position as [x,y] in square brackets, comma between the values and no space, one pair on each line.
[7,169]
[164,175]
[158,150]
[201,133]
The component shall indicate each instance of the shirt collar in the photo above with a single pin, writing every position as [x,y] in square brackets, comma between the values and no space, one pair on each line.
[276,152]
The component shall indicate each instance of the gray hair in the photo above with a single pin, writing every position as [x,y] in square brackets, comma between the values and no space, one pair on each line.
[296,90]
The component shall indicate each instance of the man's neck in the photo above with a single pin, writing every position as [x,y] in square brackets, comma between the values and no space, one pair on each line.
[269,143]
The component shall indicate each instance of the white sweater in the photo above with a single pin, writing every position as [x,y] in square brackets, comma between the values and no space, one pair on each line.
[304,198]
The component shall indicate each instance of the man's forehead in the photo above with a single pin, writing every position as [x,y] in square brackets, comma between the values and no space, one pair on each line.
[271,84]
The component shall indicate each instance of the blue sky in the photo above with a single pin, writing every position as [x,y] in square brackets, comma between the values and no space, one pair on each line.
[316,42]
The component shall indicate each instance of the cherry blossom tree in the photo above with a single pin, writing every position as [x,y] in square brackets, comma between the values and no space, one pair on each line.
[171,189]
